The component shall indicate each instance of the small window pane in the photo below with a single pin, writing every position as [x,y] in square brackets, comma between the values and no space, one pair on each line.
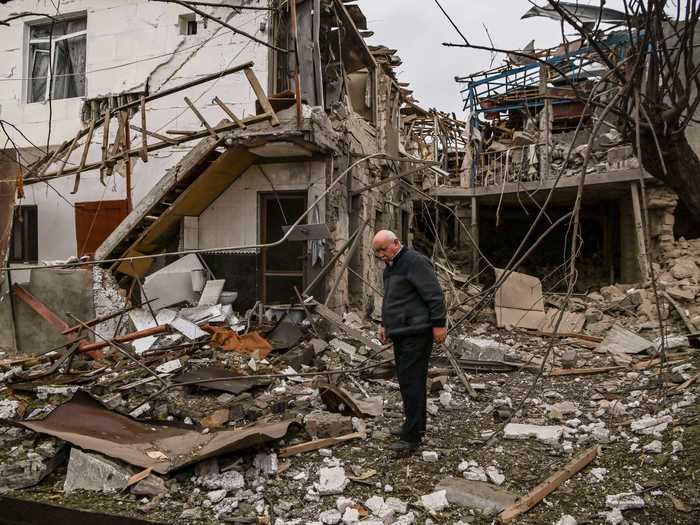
[39,72]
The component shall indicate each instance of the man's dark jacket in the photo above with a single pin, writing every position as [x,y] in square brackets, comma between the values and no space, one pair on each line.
[413,300]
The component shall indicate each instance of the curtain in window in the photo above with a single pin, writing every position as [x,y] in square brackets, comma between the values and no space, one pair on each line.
[69,68]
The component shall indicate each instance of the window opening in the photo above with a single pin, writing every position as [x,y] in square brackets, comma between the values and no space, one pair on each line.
[64,48]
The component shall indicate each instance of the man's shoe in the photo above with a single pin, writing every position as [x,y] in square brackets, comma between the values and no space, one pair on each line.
[404,446]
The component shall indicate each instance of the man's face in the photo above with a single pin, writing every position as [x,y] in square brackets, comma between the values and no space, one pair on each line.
[386,250]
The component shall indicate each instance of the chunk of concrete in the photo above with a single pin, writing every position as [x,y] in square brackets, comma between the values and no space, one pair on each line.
[330,517]
[430,456]
[624,501]
[327,424]
[567,519]
[350,516]
[655,447]
[400,507]
[93,472]
[332,481]
[435,501]
[149,487]
[476,495]
[8,408]
[649,425]
[549,434]
[231,480]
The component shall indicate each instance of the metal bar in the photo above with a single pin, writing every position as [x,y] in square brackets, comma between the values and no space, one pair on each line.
[156,330]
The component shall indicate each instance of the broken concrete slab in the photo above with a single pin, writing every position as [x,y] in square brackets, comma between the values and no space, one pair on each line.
[332,481]
[624,501]
[484,497]
[435,501]
[549,434]
[231,480]
[327,424]
[619,340]
[94,472]
[150,487]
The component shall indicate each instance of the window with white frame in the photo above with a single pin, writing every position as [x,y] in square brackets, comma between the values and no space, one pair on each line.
[57,59]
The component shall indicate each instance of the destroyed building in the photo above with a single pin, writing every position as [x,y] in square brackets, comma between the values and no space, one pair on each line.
[181,154]
[523,119]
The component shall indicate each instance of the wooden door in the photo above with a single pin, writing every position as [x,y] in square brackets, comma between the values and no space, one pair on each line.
[94,221]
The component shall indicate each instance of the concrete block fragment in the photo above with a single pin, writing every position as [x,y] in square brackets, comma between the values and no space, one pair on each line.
[624,501]
[327,424]
[351,516]
[332,481]
[547,434]
[430,456]
[94,472]
[330,517]
[435,501]
[150,487]
[483,497]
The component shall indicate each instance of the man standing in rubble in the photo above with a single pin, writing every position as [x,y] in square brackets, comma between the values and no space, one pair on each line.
[413,317]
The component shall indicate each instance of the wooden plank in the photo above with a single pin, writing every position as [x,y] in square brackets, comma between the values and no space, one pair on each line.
[86,150]
[144,135]
[262,97]
[584,371]
[460,373]
[105,143]
[153,134]
[201,118]
[639,233]
[133,480]
[67,156]
[545,488]
[317,444]
[230,113]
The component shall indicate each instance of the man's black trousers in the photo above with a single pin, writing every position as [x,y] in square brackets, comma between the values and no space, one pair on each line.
[412,355]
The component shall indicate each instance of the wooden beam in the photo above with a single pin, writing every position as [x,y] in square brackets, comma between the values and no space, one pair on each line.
[639,233]
[262,97]
[230,113]
[584,371]
[201,118]
[144,135]
[551,484]
[153,134]
[317,444]
[686,321]
[460,373]
[195,135]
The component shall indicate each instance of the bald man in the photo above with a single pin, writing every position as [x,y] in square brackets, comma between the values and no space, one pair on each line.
[413,317]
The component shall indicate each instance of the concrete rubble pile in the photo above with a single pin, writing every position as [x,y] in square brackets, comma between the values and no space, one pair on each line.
[247,424]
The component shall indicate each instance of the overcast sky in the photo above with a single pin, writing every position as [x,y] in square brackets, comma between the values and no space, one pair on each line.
[417,28]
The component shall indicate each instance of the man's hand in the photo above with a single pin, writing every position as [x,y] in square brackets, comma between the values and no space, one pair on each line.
[439,334]
[382,335]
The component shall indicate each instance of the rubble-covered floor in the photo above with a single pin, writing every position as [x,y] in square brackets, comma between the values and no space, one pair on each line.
[661,467]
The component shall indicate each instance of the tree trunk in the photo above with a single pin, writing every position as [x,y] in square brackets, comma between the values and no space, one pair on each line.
[682,166]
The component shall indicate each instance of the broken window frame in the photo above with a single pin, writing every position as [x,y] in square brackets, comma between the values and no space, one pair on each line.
[75,85]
